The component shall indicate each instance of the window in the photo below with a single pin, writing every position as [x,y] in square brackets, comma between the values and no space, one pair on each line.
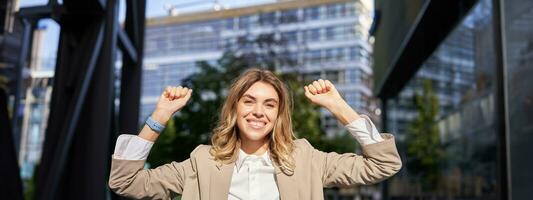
[353,98]
[337,32]
[289,37]
[229,24]
[312,35]
[312,76]
[330,33]
[313,57]
[330,53]
[244,22]
[350,9]
[358,53]
[353,76]
[334,55]
[357,31]
[312,13]
[289,16]
[333,10]
[291,58]
[266,19]
[332,76]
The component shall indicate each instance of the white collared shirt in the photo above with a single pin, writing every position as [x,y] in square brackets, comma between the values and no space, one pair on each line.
[253,178]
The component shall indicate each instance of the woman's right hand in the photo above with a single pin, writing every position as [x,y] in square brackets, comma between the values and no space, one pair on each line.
[171,100]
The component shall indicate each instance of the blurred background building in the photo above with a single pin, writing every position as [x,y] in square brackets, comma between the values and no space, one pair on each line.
[325,39]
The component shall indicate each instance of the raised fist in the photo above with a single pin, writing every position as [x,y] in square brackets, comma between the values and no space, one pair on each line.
[323,93]
[171,101]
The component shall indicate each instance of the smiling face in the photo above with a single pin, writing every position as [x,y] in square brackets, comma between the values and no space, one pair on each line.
[257,111]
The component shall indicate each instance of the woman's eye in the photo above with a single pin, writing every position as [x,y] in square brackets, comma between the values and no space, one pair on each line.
[248,102]
[270,105]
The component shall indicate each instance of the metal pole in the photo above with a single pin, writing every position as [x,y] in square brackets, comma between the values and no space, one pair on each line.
[502,121]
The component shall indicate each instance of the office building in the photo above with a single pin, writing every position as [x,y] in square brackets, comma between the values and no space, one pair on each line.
[326,39]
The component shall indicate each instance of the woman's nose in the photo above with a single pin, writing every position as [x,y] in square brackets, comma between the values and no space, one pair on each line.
[258,110]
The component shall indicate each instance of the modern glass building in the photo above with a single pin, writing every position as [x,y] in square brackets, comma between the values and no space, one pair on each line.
[326,39]
[453,80]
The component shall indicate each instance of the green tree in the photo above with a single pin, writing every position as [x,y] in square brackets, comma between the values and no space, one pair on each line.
[424,150]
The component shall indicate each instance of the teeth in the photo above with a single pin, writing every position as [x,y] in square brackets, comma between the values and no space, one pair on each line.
[256,124]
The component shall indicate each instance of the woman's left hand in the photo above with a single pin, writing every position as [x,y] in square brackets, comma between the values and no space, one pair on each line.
[323,93]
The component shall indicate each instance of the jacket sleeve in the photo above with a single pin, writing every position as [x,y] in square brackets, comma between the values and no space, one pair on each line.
[128,178]
[378,162]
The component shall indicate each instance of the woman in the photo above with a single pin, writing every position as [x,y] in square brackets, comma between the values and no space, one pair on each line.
[254,154]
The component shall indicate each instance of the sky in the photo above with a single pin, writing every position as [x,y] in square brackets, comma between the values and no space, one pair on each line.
[154,8]
[157,7]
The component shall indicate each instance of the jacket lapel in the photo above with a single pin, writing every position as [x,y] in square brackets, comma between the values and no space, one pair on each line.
[220,181]
[286,185]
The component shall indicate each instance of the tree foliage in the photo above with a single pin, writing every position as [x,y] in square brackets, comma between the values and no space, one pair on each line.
[424,150]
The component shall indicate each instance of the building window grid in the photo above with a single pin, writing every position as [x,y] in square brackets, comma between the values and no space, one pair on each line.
[186,42]
[318,34]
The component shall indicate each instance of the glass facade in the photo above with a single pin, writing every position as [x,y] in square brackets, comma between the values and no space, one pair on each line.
[328,41]
[444,118]
[518,51]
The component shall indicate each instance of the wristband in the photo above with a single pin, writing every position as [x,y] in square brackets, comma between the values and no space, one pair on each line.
[154,125]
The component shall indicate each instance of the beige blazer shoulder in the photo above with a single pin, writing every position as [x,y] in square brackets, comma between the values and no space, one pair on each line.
[200,177]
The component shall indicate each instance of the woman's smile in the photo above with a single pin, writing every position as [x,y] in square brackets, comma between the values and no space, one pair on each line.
[256,124]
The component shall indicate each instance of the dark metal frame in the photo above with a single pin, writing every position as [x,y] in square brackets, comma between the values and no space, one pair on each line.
[81,125]
[435,21]
[502,122]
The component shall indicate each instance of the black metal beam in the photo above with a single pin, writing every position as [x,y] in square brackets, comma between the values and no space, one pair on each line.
[77,142]
[63,149]
[130,90]
[504,189]
[10,184]
[36,12]
[436,22]
[77,147]
[385,128]
[126,45]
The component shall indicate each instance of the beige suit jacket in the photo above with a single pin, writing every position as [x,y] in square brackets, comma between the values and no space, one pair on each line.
[200,177]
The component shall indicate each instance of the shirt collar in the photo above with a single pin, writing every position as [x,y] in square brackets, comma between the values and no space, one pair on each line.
[243,156]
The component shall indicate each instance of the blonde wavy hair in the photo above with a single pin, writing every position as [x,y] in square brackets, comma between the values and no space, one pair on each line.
[226,140]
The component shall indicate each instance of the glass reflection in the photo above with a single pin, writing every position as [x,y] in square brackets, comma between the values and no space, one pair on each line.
[445,117]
